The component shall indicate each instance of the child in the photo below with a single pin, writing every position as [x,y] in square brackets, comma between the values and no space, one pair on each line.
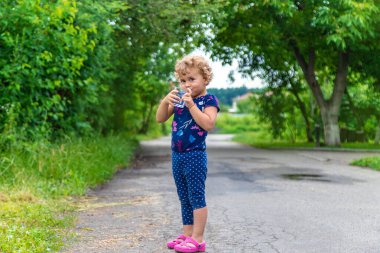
[190,125]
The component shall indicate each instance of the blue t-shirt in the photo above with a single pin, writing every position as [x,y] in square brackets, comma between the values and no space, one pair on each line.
[187,135]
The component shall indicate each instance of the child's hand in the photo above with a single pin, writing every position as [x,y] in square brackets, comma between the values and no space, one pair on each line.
[172,98]
[188,99]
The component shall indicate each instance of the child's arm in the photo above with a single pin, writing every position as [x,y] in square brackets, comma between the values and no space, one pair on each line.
[166,107]
[205,119]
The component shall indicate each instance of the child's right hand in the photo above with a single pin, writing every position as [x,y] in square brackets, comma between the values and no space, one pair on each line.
[172,97]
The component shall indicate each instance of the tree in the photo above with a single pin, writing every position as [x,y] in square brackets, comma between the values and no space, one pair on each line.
[289,81]
[145,28]
[315,35]
[151,83]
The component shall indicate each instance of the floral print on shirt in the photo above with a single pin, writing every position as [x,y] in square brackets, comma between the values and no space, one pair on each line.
[187,135]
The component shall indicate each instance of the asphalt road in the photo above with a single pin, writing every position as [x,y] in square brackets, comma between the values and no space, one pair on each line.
[259,201]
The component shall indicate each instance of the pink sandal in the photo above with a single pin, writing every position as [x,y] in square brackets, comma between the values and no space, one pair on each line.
[180,239]
[190,245]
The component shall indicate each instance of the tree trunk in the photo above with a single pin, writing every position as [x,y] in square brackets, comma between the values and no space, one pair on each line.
[330,118]
[117,121]
[146,119]
[329,108]
[377,138]
[302,108]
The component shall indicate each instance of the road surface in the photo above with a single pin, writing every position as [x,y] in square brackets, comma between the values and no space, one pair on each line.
[259,201]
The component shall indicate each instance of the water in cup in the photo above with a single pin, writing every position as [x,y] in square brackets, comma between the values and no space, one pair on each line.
[180,104]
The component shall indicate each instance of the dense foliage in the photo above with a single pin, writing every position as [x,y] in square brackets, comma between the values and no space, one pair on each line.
[75,67]
[316,38]
[54,64]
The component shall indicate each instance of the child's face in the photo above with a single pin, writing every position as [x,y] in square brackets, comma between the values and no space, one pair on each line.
[194,81]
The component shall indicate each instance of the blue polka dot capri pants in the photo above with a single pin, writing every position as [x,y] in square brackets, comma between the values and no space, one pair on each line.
[190,172]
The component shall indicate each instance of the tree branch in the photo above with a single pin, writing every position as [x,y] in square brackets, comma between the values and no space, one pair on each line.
[309,72]
[302,108]
[301,60]
[340,81]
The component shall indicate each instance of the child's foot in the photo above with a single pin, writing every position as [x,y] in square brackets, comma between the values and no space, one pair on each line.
[190,245]
[181,238]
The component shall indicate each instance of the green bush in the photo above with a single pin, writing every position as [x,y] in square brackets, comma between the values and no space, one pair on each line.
[54,63]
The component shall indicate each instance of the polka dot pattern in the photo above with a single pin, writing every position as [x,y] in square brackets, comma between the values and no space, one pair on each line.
[189,173]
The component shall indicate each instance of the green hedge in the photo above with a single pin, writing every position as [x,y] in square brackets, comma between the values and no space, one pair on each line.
[54,64]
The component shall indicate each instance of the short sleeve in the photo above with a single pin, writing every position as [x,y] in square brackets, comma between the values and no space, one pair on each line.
[212,100]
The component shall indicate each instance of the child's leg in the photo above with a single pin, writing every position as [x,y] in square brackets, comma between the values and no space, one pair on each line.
[182,190]
[196,173]
[187,214]
[200,219]
[188,230]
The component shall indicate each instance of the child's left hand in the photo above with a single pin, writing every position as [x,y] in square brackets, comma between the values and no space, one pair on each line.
[188,99]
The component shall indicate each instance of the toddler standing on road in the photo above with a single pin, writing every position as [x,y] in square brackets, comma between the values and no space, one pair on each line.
[192,120]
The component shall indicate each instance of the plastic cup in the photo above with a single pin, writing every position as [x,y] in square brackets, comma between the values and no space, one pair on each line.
[180,104]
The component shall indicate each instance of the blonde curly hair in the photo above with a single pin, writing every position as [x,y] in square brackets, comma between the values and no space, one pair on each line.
[193,61]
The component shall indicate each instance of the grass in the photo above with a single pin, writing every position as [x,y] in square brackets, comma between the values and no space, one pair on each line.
[371,162]
[251,131]
[262,140]
[227,123]
[254,139]
[36,183]
[359,145]
[32,224]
